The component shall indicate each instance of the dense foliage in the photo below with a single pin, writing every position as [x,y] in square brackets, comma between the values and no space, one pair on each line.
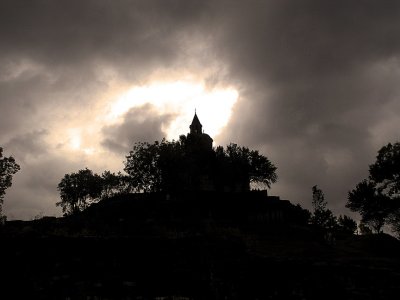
[249,166]
[180,165]
[371,203]
[346,224]
[8,167]
[323,219]
[385,172]
[377,198]
[79,190]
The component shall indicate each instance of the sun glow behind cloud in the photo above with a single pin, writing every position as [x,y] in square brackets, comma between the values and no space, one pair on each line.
[80,135]
[180,98]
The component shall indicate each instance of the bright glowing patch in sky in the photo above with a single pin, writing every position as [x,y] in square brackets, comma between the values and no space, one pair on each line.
[180,98]
[74,139]
[76,142]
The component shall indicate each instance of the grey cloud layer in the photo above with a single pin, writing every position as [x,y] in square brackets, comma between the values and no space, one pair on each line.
[72,32]
[314,87]
[140,124]
[318,80]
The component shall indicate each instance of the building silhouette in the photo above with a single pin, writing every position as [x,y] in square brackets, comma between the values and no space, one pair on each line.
[204,171]
[199,174]
[197,138]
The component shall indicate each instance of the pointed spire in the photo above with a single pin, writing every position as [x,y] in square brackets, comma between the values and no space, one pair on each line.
[196,127]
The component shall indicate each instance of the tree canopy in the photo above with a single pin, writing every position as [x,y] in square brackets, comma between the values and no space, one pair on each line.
[8,167]
[324,220]
[81,189]
[322,217]
[151,166]
[377,198]
[385,172]
[371,203]
[169,166]
[178,165]
[78,190]
[249,165]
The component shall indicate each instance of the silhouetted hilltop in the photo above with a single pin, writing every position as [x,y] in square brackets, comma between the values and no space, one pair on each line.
[185,212]
[206,245]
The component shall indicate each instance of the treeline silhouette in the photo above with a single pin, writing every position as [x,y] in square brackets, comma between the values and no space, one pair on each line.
[170,166]
[188,165]
[170,233]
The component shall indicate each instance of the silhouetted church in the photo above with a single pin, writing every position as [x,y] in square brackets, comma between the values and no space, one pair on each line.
[204,175]
[199,175]
[197,138]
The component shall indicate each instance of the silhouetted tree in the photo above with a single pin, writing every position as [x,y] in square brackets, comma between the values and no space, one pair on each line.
[371,203]
[318,199]
[79,190]
[364,228]
[250,166]
[154,167]
[346,224]
[394,221]
[8,167]
[378,198]
[112,184]
[322,217]
[385,173]
[180,165]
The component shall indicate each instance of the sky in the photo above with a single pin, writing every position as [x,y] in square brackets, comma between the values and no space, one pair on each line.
[313,85]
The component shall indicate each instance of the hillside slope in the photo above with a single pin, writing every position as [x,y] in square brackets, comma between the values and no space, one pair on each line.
[203,246]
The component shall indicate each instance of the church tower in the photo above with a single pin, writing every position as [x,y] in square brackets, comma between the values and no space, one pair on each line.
[199,176]
[196,127]
[197,138]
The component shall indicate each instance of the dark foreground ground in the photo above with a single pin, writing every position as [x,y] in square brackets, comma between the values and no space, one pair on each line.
[147,256]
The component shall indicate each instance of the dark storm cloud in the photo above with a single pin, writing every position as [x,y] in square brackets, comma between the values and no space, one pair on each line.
[280,40]
[140,124]
[18,103]
[311,58]
[34,190]
[312,86]
[55,52]
[30,145]
[72,32]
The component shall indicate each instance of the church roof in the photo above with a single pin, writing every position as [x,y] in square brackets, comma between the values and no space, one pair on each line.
[196,121]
